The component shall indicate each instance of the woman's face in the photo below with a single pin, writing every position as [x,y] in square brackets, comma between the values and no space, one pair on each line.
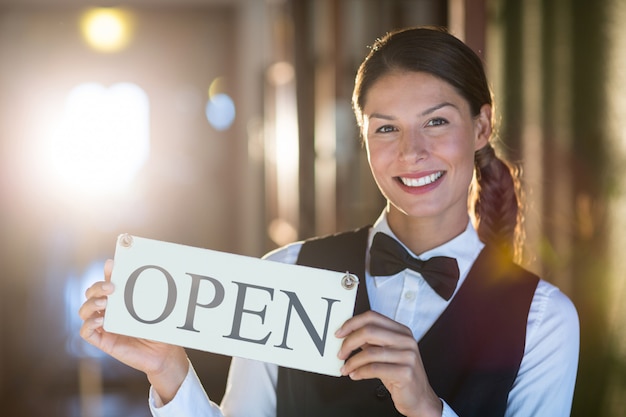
[421,138]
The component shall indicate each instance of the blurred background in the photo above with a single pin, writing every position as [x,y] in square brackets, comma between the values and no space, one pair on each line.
[226,124]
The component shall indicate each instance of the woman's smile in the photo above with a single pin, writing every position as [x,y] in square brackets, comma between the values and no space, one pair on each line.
[418,182]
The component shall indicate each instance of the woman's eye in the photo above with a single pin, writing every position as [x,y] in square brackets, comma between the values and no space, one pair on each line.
[385,129]
[437,122]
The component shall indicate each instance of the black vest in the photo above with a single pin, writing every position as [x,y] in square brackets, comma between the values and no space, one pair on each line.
[471,354]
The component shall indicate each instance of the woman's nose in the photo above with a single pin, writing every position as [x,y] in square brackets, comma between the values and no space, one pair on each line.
[412,147]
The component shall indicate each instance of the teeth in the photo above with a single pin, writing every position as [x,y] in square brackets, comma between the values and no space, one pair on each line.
[419,182]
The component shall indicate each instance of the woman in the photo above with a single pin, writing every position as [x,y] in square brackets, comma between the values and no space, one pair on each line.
[491,340]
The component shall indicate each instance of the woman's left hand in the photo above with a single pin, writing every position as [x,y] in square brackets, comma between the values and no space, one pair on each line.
[390,353]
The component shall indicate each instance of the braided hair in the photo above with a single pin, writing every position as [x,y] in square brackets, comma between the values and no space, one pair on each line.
[495,193]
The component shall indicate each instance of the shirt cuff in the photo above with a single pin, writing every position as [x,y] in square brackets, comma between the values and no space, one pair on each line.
[190,399]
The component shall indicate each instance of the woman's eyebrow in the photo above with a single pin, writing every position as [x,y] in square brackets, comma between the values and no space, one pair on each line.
[424,113]
[437,107]
[380,116]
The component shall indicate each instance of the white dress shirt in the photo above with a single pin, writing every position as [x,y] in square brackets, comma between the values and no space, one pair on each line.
[544,385]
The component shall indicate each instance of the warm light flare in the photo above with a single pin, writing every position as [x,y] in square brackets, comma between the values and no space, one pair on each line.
[107,29]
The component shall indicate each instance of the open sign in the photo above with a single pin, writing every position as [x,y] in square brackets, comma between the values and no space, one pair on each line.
[229,304]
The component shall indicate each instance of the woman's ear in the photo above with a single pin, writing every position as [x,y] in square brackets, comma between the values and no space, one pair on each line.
[483,126]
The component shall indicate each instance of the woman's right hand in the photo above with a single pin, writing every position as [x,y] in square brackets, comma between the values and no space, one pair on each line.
[166,366]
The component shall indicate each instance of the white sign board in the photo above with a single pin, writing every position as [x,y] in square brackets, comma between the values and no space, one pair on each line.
[229,304]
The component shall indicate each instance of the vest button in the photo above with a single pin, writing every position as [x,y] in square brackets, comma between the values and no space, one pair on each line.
[382,392]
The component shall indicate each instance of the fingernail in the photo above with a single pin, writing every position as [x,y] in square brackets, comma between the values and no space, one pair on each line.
[101,302]
[107,286]
[98,320]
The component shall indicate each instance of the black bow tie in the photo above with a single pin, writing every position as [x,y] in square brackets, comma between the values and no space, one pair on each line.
[388,257]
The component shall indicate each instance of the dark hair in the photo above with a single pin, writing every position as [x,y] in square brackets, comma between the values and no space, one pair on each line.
[495,193]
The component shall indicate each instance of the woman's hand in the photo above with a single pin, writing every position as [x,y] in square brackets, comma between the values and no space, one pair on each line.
[389,353]
[165,365]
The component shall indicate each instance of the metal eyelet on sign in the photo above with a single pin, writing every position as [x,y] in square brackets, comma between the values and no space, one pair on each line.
[126,240]
[349,281]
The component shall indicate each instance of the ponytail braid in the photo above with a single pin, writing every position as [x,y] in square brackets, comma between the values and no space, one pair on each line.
[495,202]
